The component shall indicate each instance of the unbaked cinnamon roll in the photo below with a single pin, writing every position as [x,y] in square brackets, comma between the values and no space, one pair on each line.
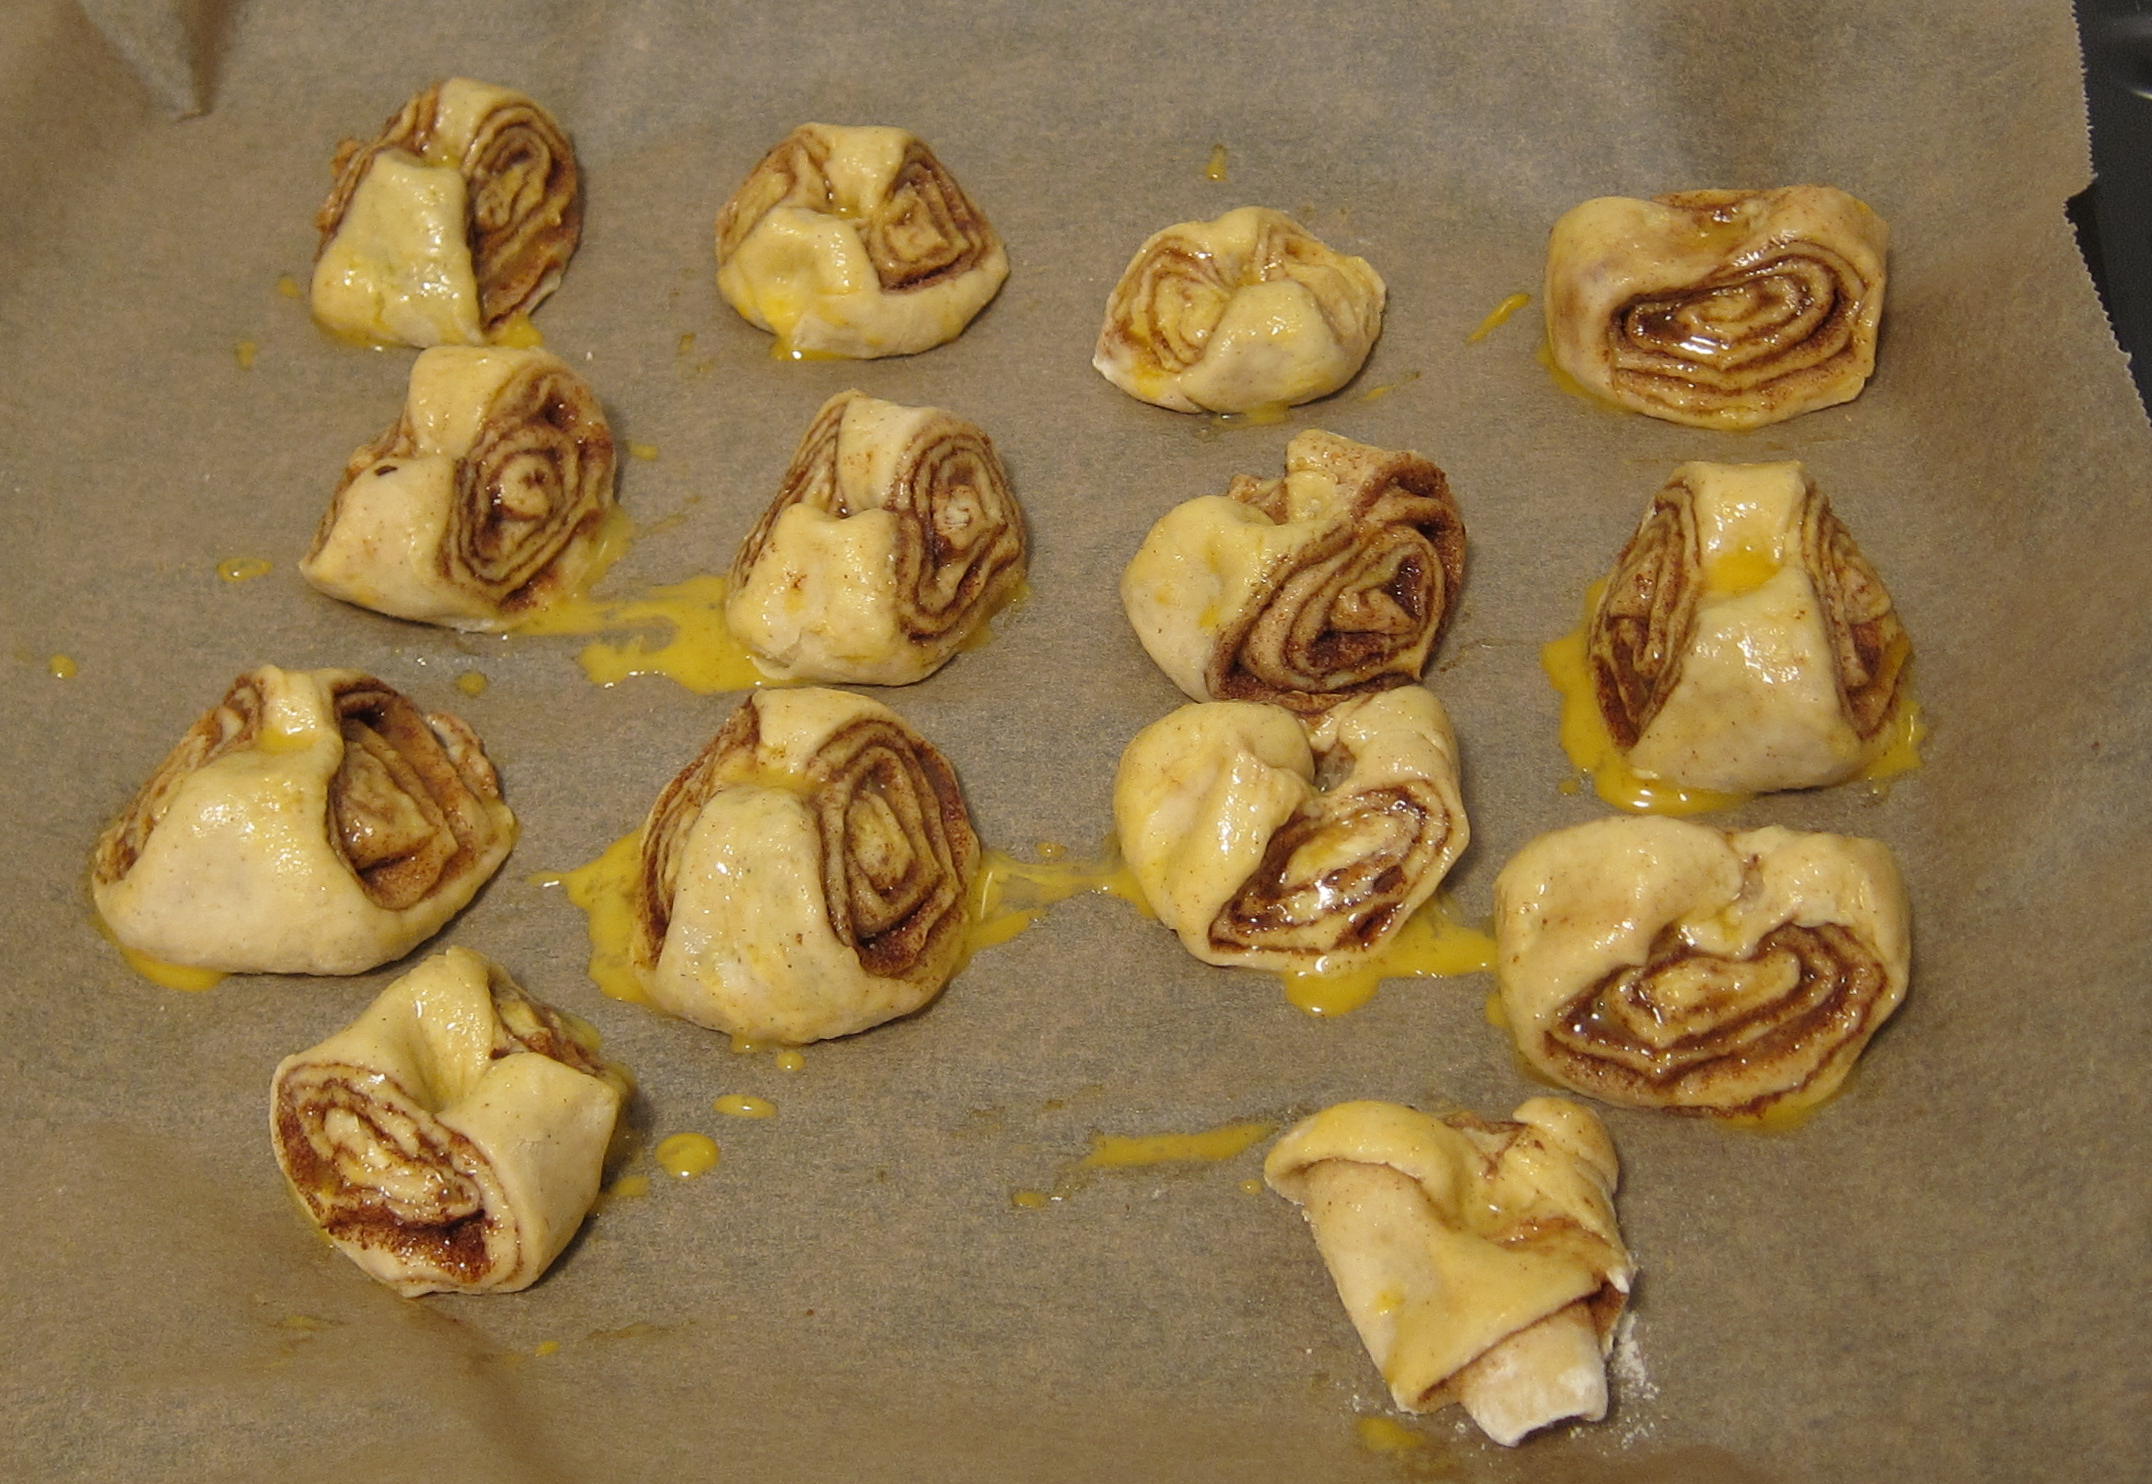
[1272,841]
[451,1139]
[1333,580]
[807,875]
[463,212]
[1719,309]
[485,502]
[1665,964]
[893,537]
[314,822]
[1744,643]
[856,242]
[1251,311]
[1479,1261]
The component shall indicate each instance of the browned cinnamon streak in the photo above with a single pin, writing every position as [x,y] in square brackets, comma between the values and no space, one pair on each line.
[896,842]
[923,231]
[404,805]
[960,539]
[1357,608]
[1168,303]
[446,1229]
[523,214]
[1640,630]
[1351,906]
[1602,1037]
[1870,644]
[1780,311]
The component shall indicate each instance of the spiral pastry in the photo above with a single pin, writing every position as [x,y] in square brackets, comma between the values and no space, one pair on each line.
[1719,309]
[1332,581]
[314,822]
[1743,643]
[1251,311]
[485,502]
[807,875]
[893,537]
[856,242]
[452,1137]
[1479,1261]
[1665,964]
[1278,842]
[463,212]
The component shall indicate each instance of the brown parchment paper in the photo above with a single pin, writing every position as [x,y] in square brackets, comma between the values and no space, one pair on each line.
[1939,1277]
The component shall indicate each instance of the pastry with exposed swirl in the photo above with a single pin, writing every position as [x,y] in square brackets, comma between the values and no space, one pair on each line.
[1332,581]
[1272,841]
[1719,309]
[807,875]
[1479,1260]
[462,213]
[1743,642]
[313,822]
[1247,313]
[451,1139]
[1664,964]
[485,502]
[856,242]
[892,539]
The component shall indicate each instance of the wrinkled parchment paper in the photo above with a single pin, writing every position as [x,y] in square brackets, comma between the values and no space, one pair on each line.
[1940,1276]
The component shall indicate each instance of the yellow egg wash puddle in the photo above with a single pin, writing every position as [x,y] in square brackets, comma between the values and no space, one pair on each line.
[647,452]
[243,569]
[1496,1012]
[1216,168]
[156,970]
[1009,895]
[744,1105]
[1386,1435]
[1741,570]
[782,349]
[244,353]
[289,287]
[1128,1151]
[546,1347]
[1432,944]
[62,667]
[1591,746]
[1032,1200]
[1377,393]
[1498,317]
[702,653]
[747,1045]
[789,1060]
[684,1156]
[604,890]
[628,1188]
[472,682]
[518,333]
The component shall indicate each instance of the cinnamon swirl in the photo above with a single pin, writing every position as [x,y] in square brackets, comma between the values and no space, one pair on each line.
[1665,964]
[1334,580]
[1719,309]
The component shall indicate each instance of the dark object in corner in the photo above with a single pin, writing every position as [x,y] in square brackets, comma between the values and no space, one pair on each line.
[2113,216]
